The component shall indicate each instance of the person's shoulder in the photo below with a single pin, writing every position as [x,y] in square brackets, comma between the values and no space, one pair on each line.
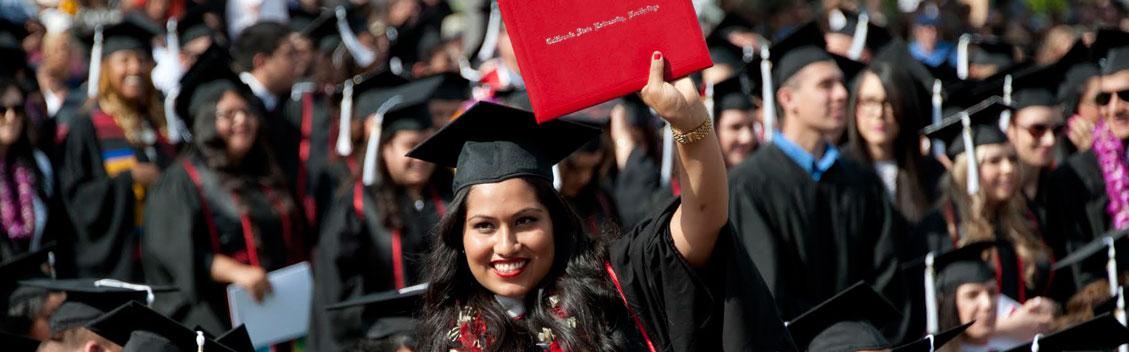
[1078,167]
[755,168]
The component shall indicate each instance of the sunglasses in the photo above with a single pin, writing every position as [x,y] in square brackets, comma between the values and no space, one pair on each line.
[1104,97]
[1040,129]
[18,109]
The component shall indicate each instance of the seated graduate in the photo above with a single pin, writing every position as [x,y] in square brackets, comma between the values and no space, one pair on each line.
[114,153]
[85,301]
[1076,93]
[735,117]
[847,322]
[26,309]
[1090,188]
[813,222]
[512,269]
[964,296]
[376,231]
[138,328]
[226,214]
[981,202]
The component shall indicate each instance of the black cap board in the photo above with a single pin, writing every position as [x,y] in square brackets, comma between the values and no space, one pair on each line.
[1101,333]
[637,111]
[898,56]
[847,22]
[322,30]
[237,339]
[27,266]
[1097,245]
[87,299]
[1111,49]
[804,46]
[194,23]
[393,310]
[205,82]
[989,51]
[18,343]
[132,33]
[985,127]
[933,342]
[722,51]
[849,321]
[138,328]
[492,143]
[1037,86]
[850,68]
[453,87]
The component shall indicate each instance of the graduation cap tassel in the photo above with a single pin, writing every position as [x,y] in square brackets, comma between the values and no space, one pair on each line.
[172,40]
[931,317]
[149,296]
[668,155]
[1035,342]
[859,41]
[932,345]
[199,341]
[363,55]
[51,264]
[344,142]
[768,96]
[95,64]
[171,120]
[369,174]
[938,145]
[490,41]
[962,55]
[557,182]
[1005,116]
[1111,266]
[1119,313]
[970,154]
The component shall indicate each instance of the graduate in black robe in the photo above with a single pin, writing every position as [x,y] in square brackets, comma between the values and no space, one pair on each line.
[643,291]
[1080,194]
[375,232]
[112,154]
[812,227]
[226,215]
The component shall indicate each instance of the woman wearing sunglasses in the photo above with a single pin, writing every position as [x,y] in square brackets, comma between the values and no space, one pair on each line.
[1034,129]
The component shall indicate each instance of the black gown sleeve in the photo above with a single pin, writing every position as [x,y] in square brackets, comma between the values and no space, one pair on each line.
[637,184]
[100,207]
[686,309]
[180,254]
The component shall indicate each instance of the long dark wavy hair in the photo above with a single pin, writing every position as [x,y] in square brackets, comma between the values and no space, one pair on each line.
[576,278]
[913,198]
[23,150]
[257,169]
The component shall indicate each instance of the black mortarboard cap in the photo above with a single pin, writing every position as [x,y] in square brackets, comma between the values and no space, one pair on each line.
[992,52]
[930,344]
[732,93]
[205,82]
[1036,86]
[300,19]
[800,48]
[637,111]
[453,87]
[393,310]
[406,109]
[1101,333]
[321,30]
[984,124]
[194,23]
[898,57]
[132,33]
[850,68]
[849,321]
[237,339]
[28,266]
[1097,245]
[1111,49]
[491,143]
[86,300]
[963,265]
[847,22]
[723,51]
[18,343]
[138,328]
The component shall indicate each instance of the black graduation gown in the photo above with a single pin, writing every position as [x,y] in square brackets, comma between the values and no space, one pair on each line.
[724,306]
[1080,215]
[811,239]
[357,256]
[639,184]
[103,209]
[300,136]
[180,255]
[597,210]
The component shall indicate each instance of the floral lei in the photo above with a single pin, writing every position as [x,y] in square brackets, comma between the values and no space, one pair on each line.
[470,333]
[1111,159]
[19,227]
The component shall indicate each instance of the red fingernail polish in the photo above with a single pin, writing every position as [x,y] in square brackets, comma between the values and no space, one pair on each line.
[657,56]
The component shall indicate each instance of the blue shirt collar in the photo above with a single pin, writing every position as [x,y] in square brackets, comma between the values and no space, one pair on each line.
[815,168]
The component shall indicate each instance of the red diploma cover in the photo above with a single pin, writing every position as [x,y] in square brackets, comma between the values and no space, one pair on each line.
[578,53]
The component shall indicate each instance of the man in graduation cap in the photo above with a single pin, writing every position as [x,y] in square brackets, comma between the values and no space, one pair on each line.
[86,300]
[735,118]
[1092,186]
[26,309]
[812,222]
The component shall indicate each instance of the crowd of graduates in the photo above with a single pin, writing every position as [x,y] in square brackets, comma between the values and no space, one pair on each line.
[910,175]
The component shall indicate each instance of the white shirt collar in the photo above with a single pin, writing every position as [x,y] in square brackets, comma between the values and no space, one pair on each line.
[269,100]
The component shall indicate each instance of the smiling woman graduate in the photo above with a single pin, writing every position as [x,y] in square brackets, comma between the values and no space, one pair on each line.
[512,270]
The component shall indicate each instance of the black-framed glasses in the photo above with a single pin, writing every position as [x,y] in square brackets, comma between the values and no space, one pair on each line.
[1104,97]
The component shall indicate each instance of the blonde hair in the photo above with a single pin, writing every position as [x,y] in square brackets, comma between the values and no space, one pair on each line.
[978,220]
[130,116]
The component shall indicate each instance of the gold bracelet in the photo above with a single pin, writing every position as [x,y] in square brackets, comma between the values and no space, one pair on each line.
[694,135]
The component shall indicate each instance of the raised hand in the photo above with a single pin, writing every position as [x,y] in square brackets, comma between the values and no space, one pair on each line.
[678,103]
